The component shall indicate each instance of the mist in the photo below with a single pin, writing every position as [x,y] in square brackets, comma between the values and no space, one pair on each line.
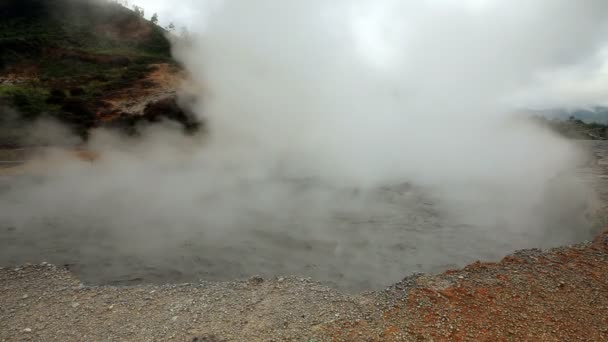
[351,141]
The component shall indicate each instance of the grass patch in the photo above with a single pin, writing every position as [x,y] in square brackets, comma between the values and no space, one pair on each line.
[30,101]
[72,69]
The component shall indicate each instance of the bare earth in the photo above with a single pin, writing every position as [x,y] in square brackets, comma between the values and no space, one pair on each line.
[557,295]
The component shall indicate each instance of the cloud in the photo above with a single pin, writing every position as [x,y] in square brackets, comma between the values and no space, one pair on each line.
[577,86]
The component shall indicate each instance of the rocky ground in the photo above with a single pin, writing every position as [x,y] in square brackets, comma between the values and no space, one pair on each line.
[556,295]
[531,295]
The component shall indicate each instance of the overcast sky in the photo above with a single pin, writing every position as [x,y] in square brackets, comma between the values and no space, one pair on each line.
[183,13]
[585,83]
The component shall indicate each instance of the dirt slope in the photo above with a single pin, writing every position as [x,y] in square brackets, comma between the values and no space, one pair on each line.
[82,63]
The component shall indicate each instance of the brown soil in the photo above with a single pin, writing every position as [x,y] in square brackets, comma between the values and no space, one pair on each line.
[161,83]
[558,295]
[19,73]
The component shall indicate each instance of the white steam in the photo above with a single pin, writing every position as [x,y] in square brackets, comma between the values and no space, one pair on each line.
[368,91]
[319,112]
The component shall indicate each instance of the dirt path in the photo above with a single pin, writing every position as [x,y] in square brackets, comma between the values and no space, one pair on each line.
[559,295]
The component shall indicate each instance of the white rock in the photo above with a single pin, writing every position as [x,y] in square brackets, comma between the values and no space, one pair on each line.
[27,330]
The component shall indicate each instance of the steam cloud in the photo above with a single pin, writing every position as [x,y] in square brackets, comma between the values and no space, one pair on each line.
[354,141]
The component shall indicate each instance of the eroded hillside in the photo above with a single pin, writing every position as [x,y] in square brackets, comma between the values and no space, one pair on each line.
[85,64]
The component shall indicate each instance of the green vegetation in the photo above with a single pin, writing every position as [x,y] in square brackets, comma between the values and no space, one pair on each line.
[69,53]
[30,101]
[29,26]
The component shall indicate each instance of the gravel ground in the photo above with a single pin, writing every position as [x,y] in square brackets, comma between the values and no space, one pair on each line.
[532,295]
[557,295]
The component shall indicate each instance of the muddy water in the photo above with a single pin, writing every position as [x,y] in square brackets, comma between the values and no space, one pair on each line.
[356,246]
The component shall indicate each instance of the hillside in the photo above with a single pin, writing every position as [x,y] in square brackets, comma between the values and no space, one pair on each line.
[596,114]
[574,128]
[29,27]
[75,60]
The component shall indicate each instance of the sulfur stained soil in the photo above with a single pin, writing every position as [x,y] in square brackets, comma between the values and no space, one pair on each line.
[559,295]
[532,295]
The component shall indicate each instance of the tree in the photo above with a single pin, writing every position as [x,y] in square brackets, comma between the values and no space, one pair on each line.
[171,27]
[154,19]
[138,10]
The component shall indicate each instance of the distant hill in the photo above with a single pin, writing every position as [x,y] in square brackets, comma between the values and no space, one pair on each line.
[571,125]
[85,63]
[596,114]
